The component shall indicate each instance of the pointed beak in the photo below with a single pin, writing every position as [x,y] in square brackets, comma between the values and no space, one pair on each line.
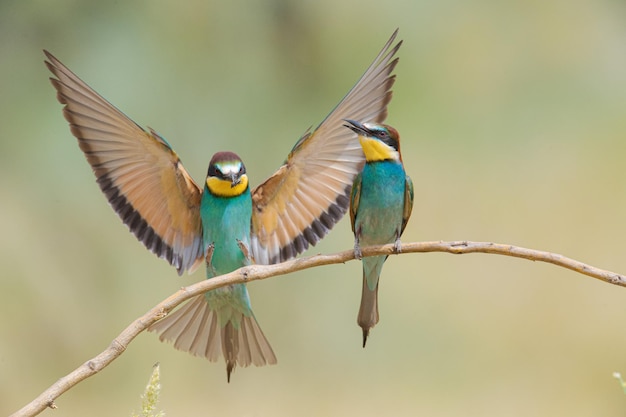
[234,179]
[357,127]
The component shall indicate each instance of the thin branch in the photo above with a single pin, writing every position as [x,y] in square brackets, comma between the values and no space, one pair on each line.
[257,272]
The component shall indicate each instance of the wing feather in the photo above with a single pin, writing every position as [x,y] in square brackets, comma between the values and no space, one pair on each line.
[141,176]
[408,202]
[303,200]
[355,200]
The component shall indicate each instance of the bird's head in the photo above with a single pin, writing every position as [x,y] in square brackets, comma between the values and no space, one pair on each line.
[227,175]
[380,142]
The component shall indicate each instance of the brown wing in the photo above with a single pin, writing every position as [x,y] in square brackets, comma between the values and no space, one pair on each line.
[141,176]
[303,200]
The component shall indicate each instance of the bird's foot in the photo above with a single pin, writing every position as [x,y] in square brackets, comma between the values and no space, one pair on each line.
[244,249]
[397,246]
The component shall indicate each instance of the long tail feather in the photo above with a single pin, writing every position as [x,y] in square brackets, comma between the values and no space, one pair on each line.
[195,328]
[368,311]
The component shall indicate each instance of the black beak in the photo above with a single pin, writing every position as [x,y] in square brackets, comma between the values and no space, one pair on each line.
[357,127]
[234,179]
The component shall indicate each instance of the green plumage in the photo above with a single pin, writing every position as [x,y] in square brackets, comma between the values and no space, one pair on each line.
[221,322]
[380,206]
[225,222]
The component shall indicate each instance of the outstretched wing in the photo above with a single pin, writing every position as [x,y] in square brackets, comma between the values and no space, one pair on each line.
[138,172]
[309,193]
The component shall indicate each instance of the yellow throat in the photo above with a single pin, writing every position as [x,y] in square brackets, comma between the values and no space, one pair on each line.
[375,150]
[224,188]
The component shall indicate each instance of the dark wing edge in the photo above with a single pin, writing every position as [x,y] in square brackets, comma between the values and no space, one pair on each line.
[112,144]
[367,101]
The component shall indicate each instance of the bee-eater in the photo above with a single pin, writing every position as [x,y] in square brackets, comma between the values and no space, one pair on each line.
[223,224]
[380,206]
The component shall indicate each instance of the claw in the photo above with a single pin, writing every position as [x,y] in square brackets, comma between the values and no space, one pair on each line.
[357,249]
[397,246]
[209,254]
[208,258]
[244,249]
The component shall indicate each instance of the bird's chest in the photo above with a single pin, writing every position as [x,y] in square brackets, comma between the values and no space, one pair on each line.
[226,232]
[381,203]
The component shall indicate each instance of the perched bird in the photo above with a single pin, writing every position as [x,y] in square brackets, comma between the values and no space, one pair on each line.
[380,206]
[222,223]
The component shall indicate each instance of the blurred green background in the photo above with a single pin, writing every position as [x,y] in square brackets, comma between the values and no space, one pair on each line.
[513,119]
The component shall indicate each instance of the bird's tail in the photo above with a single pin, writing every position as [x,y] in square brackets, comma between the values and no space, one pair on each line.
[196,328]
[368,311]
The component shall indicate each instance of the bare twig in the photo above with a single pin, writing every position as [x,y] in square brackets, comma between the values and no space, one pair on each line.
[256,272]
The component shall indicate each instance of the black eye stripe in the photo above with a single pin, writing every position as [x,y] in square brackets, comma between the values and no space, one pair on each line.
[388,140]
